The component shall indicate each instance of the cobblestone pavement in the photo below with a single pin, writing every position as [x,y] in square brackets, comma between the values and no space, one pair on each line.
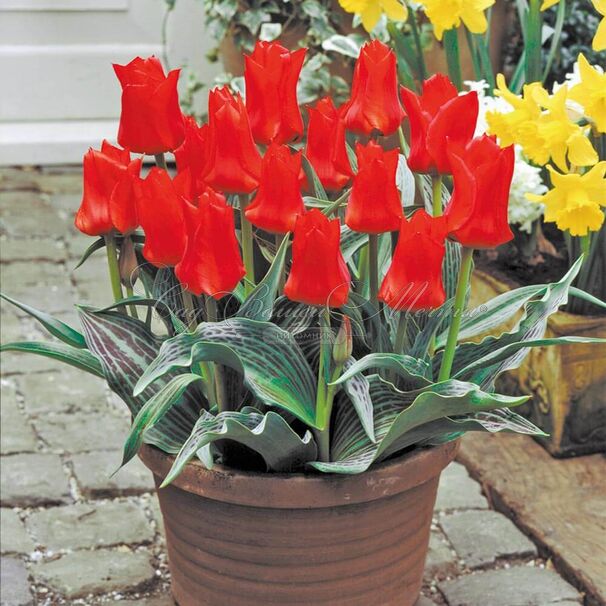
[71,534]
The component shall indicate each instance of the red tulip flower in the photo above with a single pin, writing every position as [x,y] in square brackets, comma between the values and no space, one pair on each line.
[271,75]
[234,162]
[211,263]
[151,121]
[162,215]
[278,202]
[319,274]
[374,206]
[192,154]
[477,212]
[108,202]
[326,150]
[414,279]
[374,104]
[438,114]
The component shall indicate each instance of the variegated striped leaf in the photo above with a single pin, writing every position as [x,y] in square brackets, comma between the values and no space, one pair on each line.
[272,364]
[268,434]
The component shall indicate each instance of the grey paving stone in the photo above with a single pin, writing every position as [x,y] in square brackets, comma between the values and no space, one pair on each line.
[61,182]
[423,601]
[14,583]
[482,537]
[14,179]
[154,505]
[33,479]
[64,391]
[94,473]
[45,249]
[441,561]
[16,433]
[84,526]
[13,537]
[519,586]
[92,281]
[68,203]
[15,363]
[458,491]
[82,432]
[79,574]
[162,600]
[27,214]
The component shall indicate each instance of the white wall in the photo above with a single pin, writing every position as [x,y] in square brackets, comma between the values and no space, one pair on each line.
[59,93]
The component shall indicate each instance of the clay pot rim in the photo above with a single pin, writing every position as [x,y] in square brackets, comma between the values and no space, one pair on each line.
[301,490]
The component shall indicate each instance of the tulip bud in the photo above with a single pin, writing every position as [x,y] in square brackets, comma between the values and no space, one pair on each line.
[343,345]
[128,264]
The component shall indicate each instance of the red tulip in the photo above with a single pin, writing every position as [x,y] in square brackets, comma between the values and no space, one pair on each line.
[151,121]
[438,114]
[234,162]
[162,214]
[477,212]
[414,279]
[211,263]
[374,206]
[108,202]
[278,202]
[192,154]
[374,104]
[319,275]
[271,75]
[326,150]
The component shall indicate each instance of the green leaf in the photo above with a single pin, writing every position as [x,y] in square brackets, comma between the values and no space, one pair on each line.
[398,413]
[260,303]
[94,247]
[80,358]
[126,347]
[314,180]
[585,296]
[272,364]
[154,410]
[357,389]
[344,45]
[411,369]
[55,327]
[269,434]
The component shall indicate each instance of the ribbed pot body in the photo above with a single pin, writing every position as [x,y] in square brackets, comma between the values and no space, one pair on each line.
[337,547]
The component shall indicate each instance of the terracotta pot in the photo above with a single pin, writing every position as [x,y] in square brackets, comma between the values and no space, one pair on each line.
[244,539]
[567,382]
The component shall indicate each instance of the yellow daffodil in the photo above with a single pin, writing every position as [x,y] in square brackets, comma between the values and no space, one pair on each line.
[447,14]
[591,93]
[539,123]
[548,4]
[370,11]
[574,203]
[599,41]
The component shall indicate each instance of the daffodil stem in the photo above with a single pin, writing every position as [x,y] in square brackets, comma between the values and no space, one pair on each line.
[459,308]
[453,56]
[247,247]
[190,310]
[373,267]
[114,268]
[211,316]
[436,197]
[533,42]
[161,161]
[414,26]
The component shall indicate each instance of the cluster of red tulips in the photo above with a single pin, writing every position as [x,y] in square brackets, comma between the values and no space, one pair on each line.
[250,149]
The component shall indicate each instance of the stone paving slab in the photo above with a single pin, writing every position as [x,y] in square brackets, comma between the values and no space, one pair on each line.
[520,586]
[458,491]
[33,479]
[481,538]
[441,558]
[16,432]
[14,583]
[89,525]
[95,474]
[29,215]
[83,573]
[14,538]
[28,250]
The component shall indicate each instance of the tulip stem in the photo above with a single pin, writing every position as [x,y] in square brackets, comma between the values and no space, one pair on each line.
[453,56]
[436,196]
[133,308]
[334,207]
[373,267]
[192,322]
[282,279]
[114,268]
[211,316]
[459,307]
[403,143]
[247,247]
[161,161]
